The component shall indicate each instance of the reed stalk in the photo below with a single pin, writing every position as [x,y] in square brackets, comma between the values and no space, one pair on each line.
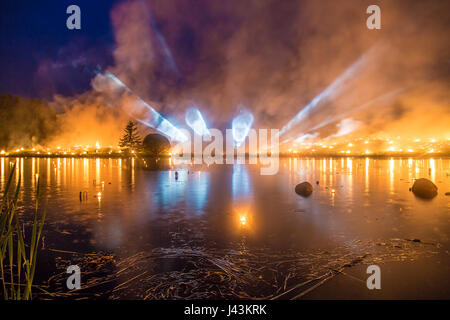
[17,264]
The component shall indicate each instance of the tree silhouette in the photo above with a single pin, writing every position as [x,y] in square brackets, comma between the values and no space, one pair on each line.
[130,139]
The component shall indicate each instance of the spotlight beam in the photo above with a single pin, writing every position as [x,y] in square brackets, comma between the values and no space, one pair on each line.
[162,41]
[195,120]
[240,126]
[138,108]
[343,115]
[330,92]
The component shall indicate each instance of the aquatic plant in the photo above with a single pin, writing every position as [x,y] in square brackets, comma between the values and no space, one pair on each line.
[18,258]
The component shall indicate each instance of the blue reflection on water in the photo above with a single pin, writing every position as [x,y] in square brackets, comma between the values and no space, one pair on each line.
[240,183]
[191,189]
[197,197]
[169,192]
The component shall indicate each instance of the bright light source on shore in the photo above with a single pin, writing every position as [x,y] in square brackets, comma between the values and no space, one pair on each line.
[243,220]
[195,120]
[97,145]
[241,126]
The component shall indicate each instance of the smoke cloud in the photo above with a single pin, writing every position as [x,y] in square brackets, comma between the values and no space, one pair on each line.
[274,58]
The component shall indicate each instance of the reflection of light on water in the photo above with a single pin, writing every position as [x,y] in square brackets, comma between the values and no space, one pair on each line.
[33,173]
[48,171]
[97,170]
[58,171]
[200,193]
[366,181]
[21,172]
[410,164]
[433,169]
[86,171]
[333,171]
[241,189]
[240,183]
[350,177]
[132,173]
[64,170]
[333,194]
[3,170]
[243,218]
[169,192]
[323,169]
[391,175]
[72,170]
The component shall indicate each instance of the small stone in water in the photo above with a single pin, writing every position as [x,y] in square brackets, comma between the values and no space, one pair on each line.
[304,189]
[424,188]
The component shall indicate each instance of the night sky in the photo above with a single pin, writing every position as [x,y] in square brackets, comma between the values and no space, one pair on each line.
[39,56]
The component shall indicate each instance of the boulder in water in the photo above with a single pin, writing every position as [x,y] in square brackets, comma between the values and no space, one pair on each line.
[424,188]
[304,189]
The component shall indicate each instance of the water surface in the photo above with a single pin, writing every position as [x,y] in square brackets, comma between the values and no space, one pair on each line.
[127,208]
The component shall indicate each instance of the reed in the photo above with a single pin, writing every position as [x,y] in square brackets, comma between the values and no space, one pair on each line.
[17,256]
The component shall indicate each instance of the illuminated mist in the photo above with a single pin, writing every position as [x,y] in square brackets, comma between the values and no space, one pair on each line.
[309,68]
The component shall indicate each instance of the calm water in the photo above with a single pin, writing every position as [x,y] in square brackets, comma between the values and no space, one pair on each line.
[218,206]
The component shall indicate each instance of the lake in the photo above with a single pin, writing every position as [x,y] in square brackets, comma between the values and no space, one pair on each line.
[225,212]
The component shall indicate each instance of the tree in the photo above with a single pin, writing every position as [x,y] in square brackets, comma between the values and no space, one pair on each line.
[25,122]
[130,139]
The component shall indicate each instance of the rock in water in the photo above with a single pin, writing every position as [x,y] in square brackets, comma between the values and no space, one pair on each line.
[304,189]
[424,188]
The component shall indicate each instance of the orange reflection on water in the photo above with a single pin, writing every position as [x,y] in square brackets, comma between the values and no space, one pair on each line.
[243,219]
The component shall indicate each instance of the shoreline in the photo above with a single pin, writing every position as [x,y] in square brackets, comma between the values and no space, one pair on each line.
[282,156]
